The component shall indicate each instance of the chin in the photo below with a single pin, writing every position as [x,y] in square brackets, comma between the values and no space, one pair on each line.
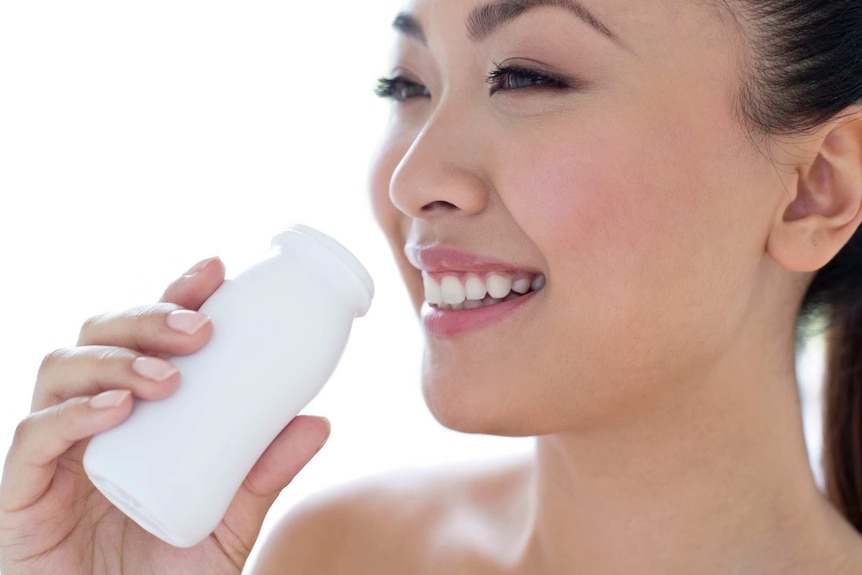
[470,409]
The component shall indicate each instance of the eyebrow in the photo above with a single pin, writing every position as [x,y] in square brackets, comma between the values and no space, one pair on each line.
[408,25]
[486,19]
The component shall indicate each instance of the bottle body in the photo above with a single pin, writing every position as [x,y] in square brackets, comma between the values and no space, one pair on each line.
[279,329]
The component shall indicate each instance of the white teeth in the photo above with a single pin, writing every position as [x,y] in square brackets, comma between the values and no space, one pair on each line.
[452,290]
[521,286]
[432,291]
[538,283]
[475,288]
[473,291]
[499,286]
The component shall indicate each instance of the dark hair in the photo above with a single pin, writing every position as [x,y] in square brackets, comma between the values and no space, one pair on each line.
[805,65]
[805,68]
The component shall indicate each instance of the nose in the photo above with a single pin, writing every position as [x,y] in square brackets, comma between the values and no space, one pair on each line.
[442,171]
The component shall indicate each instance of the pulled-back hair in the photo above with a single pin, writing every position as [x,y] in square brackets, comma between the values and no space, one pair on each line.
[805,65]
[805,68]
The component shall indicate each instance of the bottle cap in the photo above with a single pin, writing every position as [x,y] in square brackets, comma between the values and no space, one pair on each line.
[364,281]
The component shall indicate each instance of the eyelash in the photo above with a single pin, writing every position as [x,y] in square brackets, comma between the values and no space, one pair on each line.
[401,89]
[501,79]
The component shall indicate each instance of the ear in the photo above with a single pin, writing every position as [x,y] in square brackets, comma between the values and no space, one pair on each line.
[813,225]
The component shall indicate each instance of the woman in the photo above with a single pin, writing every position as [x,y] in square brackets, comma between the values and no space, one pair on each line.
[612,217]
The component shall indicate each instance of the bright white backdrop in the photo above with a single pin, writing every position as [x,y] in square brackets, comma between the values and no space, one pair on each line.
[138,138]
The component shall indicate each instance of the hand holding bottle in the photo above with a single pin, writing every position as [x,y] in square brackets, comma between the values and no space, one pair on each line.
[52,518]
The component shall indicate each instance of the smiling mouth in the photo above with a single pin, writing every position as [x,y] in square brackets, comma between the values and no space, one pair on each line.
[457,291]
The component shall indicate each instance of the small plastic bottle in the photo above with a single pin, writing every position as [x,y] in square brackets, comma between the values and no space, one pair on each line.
[279,329]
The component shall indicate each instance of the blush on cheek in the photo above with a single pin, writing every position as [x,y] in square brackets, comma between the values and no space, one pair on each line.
[622,186]
[583,200]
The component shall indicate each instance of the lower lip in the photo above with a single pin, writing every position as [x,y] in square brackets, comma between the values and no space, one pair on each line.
[452,323]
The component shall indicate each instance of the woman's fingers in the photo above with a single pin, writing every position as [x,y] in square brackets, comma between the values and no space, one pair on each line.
[91,370]
[172,326]
[160,328]
[86,390]
[193,288]
[45,435]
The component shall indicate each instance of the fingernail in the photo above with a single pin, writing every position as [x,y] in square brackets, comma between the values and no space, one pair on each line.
[109,399]
[154,368]
[187,321]
[328,431]
[199,267]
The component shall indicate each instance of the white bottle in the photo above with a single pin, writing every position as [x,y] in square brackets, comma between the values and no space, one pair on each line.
[279,329]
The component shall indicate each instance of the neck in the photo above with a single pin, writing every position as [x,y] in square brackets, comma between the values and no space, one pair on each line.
[714,480]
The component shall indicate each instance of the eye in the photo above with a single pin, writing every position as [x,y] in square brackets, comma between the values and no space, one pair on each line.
[400,89]
[518,78]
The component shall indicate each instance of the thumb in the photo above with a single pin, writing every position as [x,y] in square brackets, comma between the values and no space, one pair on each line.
[288,453]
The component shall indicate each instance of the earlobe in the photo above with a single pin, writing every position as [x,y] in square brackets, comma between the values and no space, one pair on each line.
[826,209]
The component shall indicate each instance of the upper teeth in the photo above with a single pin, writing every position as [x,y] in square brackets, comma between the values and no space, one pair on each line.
[453,290]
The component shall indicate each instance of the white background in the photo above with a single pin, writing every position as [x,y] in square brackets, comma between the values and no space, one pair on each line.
[137,138]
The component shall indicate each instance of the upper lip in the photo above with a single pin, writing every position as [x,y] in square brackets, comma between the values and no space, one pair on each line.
[441,258]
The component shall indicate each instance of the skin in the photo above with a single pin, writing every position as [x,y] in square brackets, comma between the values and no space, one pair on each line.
[656,366]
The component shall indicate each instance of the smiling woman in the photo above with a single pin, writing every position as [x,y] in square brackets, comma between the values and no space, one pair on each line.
[612,219]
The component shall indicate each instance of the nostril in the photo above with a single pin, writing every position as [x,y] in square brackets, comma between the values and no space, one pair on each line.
[439,205]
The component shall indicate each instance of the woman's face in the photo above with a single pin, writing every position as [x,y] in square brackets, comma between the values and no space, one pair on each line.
[594,148]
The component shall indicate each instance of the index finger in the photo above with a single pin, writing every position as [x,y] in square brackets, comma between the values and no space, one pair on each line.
[195,286]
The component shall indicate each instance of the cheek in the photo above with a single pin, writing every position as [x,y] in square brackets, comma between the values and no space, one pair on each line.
[635,231]
[595,201]
[628,191]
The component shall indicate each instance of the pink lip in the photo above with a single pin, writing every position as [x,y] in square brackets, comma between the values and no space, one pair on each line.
[452,323]
[437,258]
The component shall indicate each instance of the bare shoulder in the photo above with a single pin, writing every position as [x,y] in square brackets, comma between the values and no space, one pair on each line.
[403,522]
